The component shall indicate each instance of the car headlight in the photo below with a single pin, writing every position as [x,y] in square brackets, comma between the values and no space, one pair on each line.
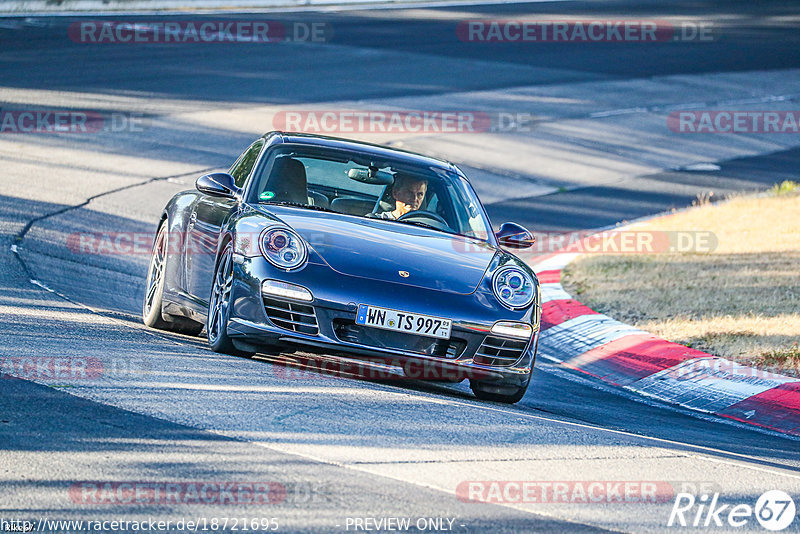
[513,287]
[283,248]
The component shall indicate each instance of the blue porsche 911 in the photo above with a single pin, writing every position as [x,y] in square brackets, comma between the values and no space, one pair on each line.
[345,248]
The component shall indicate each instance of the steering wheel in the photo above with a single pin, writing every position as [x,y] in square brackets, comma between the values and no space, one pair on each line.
[425,215]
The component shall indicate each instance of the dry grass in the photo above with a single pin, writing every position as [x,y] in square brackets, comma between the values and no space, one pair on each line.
[741,302]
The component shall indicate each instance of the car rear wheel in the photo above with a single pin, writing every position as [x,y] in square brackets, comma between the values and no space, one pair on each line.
[219,306]
[152,314]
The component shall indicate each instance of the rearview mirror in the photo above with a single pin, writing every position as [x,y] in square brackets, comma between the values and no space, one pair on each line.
[218,184]
[512,235]
[370,177]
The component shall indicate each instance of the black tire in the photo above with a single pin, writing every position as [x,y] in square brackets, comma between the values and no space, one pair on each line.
[154,286]
[488,391]
[152,306]
[219,306]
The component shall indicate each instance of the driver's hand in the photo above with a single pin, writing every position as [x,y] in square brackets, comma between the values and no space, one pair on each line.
[401,208]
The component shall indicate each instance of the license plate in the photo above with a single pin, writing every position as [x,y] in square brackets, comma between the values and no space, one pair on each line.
[399,321]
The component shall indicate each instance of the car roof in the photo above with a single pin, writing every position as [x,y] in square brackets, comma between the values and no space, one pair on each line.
[380,152]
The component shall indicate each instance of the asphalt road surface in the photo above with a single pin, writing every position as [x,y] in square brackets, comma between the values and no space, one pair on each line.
[593,149]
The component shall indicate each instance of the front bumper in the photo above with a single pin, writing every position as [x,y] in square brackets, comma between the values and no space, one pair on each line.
[467,354]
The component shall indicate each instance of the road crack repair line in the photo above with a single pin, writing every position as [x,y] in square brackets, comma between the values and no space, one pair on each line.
[20,236]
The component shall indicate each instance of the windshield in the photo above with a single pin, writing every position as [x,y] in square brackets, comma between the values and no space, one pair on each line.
[356,184]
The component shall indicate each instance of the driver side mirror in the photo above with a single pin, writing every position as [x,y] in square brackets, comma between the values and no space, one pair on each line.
[512,235]
[218,184]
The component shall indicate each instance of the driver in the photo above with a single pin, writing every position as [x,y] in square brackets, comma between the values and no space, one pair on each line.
[408,193]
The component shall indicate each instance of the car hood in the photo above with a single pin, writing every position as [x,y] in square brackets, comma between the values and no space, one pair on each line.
[380,250]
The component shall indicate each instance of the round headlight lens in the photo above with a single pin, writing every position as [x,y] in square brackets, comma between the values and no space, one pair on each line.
[283,248]
[513,287]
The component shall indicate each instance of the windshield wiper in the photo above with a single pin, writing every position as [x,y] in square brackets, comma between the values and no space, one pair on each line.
[299,205]
[425,225]
[448,232]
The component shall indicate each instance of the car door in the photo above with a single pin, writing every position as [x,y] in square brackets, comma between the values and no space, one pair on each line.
[208,215]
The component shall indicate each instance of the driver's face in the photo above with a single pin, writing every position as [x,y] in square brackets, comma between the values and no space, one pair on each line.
[412,194]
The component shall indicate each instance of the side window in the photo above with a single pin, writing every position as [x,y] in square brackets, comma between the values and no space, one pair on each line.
[241,169]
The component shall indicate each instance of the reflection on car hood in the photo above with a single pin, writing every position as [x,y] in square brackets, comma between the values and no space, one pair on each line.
[379,250]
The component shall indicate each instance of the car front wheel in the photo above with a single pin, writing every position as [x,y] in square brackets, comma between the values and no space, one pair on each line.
[219,306]
[495,392]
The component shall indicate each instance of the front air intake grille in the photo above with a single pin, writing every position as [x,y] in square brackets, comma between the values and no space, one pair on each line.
[291,316]
[350,332]
[500,351]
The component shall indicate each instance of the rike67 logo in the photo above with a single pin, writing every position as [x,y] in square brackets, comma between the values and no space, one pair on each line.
[774,510]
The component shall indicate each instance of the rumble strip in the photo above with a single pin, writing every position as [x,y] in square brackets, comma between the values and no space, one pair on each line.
[582,339]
